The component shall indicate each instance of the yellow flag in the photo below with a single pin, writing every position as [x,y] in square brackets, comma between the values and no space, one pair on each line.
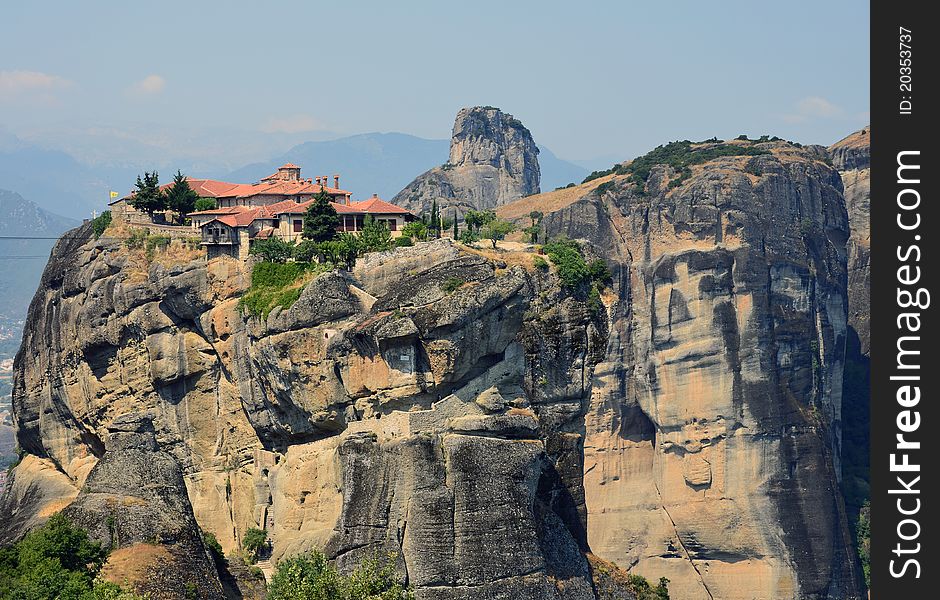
[114,194]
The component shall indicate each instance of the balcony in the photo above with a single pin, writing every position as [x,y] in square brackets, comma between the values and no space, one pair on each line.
[214,239]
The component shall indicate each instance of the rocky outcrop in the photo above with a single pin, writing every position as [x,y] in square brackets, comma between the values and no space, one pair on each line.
[134,501]
[493,161]
[382,412]
[712,441]
[852,157]
[458,409]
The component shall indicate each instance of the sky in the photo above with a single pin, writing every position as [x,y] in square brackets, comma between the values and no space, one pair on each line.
[591,80]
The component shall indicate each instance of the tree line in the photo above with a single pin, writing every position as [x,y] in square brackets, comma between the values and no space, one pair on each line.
[178,197]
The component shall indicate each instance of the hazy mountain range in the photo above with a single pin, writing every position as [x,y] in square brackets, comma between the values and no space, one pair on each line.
[368,163]
[22,260]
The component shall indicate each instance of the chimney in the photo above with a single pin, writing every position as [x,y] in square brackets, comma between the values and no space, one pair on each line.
[336,181]
[374,195]
[326,180]
[318,180]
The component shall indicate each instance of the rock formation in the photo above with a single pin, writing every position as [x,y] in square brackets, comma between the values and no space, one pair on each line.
[380,413]
[712,441]
[493,161]
[852,157]
[493,436]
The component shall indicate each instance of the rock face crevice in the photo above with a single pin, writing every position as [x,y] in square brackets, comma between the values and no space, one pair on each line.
[493,161]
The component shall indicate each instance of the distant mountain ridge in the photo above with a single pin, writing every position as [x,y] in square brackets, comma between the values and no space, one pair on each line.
[19,216]
[22,261]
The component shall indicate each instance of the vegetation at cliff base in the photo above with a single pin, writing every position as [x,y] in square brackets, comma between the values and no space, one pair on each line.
[56,561]
[310,576]
[644,590]
[680,155]
[863,536]
[253,543]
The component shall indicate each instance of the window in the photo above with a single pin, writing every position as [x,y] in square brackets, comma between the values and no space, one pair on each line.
[298,225]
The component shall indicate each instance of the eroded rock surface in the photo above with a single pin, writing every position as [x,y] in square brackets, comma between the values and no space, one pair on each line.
[712,441]
[492,436]
[852,157]
[493,161]
[380,413]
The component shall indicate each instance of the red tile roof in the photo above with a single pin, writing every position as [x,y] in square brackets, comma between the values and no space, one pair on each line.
[378,206]
[210,188]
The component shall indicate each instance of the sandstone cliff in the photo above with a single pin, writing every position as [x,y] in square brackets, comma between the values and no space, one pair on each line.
[494,435]
[493,161]
[712,440]
[380,413]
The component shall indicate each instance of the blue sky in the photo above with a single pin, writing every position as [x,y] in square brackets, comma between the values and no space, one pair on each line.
[590,79]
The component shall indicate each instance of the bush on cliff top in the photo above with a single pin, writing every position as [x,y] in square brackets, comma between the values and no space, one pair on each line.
[100,223]
[56,561]
[680,155]
[310,576]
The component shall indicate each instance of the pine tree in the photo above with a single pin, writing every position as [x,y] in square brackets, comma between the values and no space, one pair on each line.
[321,220]
[456,231]
[148,197]
[180,197]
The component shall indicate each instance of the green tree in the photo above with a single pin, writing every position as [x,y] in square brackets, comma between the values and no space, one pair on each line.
[148,197]
[600,272]
[375,236]
[206,204]
[456,230]
[56,561]
[320,220]
[566,255]
[349,246]
[496,230]
[253,542]
[100,223]
[306,251]
[180,197]
[416,230]
[310,576]
[272,249]
[305,577]
[434,222]
[476,219]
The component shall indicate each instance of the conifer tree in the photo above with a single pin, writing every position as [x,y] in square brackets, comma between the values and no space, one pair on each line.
[148,197]
[180,197]
[320,220]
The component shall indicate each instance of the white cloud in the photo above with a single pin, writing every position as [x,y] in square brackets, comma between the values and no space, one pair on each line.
[813,107]
[149,85]
[22,83]
[291,124]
